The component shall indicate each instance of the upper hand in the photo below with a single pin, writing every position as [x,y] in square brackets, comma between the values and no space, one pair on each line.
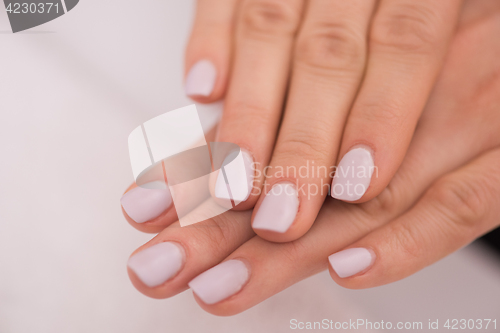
[347,80]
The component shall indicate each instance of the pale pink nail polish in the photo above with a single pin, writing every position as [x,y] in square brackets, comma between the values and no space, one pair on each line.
[278,209]
[158,263]
[220,282]
[353,175]
[238,175]
[351,261]
[201,78]
[144,204]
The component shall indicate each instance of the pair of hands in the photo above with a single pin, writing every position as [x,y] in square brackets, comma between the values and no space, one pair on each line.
[441,197]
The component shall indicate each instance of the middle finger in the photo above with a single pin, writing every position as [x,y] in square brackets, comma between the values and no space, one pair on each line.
[329,61]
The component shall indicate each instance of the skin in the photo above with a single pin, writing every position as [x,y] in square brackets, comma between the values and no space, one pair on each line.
[444,195]
[326,69]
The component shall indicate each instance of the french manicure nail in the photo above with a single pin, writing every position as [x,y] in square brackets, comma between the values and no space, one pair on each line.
[220,282]
[200,80]
[278,209]
[144,204]
[158,263]
[238,172]
[351,261]
[353,175]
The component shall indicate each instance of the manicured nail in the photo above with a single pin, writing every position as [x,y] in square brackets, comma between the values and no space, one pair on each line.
[238,172]
[158,263]
[220,282]
[351,261]
[278,209]
[353,175]
[200,80]
[144,204]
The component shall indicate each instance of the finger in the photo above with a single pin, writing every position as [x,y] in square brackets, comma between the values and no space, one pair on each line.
[162,267]
[264,40]
[456,210]
[339,224]
[477,10]
[328,67]
[208,53]
[407,46]
[150,209]
[462,102]
[444,134]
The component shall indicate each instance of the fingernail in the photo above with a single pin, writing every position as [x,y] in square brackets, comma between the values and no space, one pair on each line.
[351,261]
[353,175]
[201,79]
[238,172]
[144,204]
[278,209]
[220,282]
[158,263]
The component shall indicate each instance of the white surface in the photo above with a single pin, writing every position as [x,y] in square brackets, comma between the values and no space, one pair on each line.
[71,92]
[174,132]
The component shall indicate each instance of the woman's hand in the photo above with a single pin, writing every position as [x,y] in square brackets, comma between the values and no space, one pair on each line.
[350,77]
[444,195]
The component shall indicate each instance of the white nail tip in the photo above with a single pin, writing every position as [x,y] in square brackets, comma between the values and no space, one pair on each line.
[220,282]
[278,209]
[239,176]
[351,261]
[353,175]
[200,80]
[157,264]
[143,204]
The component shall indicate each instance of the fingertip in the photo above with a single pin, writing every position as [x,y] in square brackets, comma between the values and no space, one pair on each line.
[234,184]
[221,309]
[353,175]
[277,237]
[204,82]
[148,210]
[154,269]
[217,290]
[349,267]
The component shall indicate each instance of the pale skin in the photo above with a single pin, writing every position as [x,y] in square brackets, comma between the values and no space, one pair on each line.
[444,195]
[328,70]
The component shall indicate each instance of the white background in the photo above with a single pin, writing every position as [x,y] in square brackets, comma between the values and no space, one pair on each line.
[70,93]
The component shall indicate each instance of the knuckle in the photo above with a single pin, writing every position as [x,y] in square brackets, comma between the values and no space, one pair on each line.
[485,92]
[332,47]
[248,114]
[297,251]
[244,122]
[408,239]
[409,27]
[387,203]
[304,146]
[461,201]
[215,231]
[270,17]
[381,111]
